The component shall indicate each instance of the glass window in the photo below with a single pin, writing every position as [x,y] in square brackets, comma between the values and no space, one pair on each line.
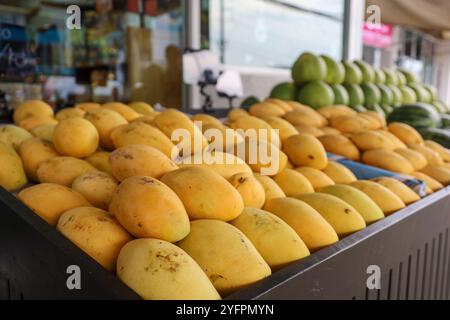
[272,33]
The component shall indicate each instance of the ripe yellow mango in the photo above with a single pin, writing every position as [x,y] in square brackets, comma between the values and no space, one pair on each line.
[68,113]
[139,160]
[339,173]
[439,173]
[349,124]
[388,201]
[372,123]
[181,130]
[205,194]
[271,189]
[293,183]
[34,121]
[285,129]
[49,200]
[141,133]
[375,115]
[405,193]
[312,228]
[205,119]
[221,138]
[305,117]
[236,113]
[317,178]
[13,135]
[370,140]
[142,107]
[387,159]
[266,109]
[225,164]
[100,160]
[33,152]
[12,174]
[433,157]
[335,111]
[306,129]
[44,132]
[250,189]
[407,134]
[105,121]
[417,160]
[365,206]
[262,130]
[87,106]
[398,144]
[32,108]
[443,152]
[225,254]
[97,187]
[306,150]
[95,232]
[340,145]
[330,130]
[340,215]
[431,183]
[125,111]
[147,208]
[158,270]
[75,137]
[281,103]
[274,239]
[62,170]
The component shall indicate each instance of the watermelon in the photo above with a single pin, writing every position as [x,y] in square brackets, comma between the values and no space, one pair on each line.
[445,121]
[418,115]
[441,136]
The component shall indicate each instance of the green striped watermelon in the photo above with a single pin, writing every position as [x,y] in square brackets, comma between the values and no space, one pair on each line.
[418,115]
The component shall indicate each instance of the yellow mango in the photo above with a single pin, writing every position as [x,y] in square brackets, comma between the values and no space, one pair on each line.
[431,183]
[433,157]
[317,178]
[293,183]
[34,121]
[75,137]
[13,135]
[158,270]
[95,232]
[398,144]
[62,170]
[87,106]
[105,121]
[329,130]
[49,200]
[372,123]
[261,129]
[365,206]
[349,124]
[225,254]
[33,152]
[388,201]
[439,173]
[417,160]
[312,228]
[271,189]
[139,160]
[443,152]
[304,117]
[405,193]
[407,134]
[32,108]
[250,189]
[306,129]
[44,131]
[266,109]
[147,208]
[100,160]
[68,113]
[370,140]
[236,113]
[339,173]
[141,133]
[97,187]
[306,150]
[336,110]
[205,194]
[205,119]
[12,174]
[142,107]
[340,145]
[340,215]
[387,159]
[285,129]
[125,111]
[274,239]
[281,103]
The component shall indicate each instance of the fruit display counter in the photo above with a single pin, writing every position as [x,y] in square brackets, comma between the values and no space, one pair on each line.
[410,248]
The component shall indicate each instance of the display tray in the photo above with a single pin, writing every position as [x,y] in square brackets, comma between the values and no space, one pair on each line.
[410,248]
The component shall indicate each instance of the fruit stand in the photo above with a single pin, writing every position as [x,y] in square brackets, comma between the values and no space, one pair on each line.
[417,267]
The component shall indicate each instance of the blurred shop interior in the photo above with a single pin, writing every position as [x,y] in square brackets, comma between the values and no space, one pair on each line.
[137,50]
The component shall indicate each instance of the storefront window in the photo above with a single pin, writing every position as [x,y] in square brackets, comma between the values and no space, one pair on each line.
[272,33]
